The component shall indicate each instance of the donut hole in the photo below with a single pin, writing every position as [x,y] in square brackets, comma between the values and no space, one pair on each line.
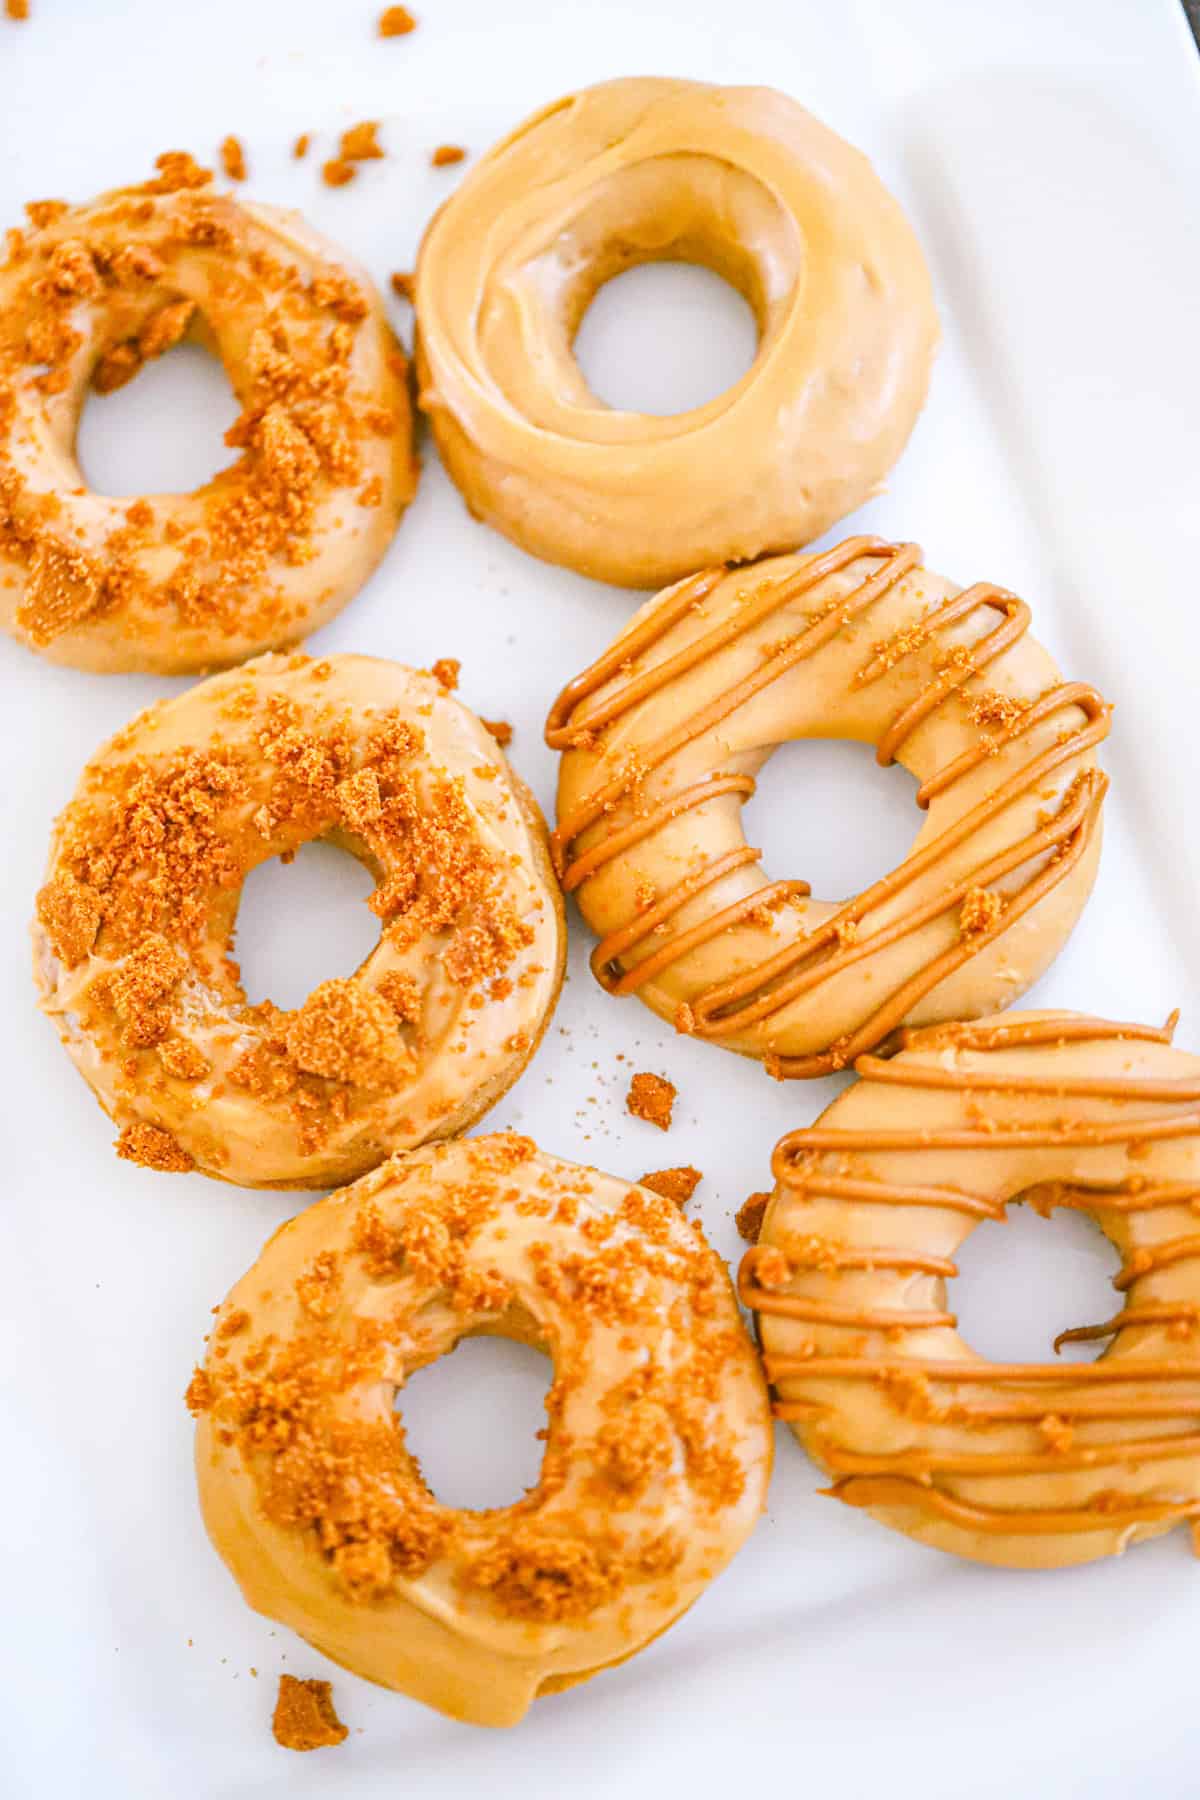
[163,432]
[664,338]
[303,922]
[471,1420]
[1022,1282]
[825,812]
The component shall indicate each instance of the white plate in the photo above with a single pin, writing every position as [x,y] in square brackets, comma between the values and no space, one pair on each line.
[1049,151]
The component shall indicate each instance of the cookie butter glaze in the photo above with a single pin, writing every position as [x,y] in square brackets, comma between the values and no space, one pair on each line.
[1034,1465]
[134,931]
[744,181]
[664,735]
[658,1431]
[273,545]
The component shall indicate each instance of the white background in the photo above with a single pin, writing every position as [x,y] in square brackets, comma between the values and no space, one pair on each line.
[1049,152]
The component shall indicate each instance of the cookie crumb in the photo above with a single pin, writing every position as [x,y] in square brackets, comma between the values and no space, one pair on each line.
[336,173]
[650,1097]
[16,10]
[402,285]
[500,729]
[673,1184]
[446,154]
[396,21]
[233,159]
[304,1717]
[359,143]
[980,911]
[750,1214]
[300,147]
[445,672]
[153,1148]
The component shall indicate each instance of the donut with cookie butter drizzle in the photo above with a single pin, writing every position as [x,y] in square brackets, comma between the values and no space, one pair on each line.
[663,737]
[274,545]
[134,931]
[1023,1464]
[658,1436]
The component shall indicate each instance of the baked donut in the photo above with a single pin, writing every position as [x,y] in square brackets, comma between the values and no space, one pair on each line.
[745,182]
[658,1431]
[134,929]
[664,735]
[1033,1465]
[272,546]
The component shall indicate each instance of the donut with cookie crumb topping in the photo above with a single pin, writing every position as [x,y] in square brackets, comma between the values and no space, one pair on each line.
[276,543]
[134,932]
[657,1439]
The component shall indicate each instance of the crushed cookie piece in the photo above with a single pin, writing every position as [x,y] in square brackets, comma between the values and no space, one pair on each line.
[360,144]
[651,1097]
[18,10]
[676,1185]
[345,1032]
[402,285]
[771,1268]
[980,910]
[445,672]
[500,729]
[301,146]
[447,154]
[396,21]
[69,912]
[750,1214]
[233,159]
[337,173]
[304,1717]
[153,1148]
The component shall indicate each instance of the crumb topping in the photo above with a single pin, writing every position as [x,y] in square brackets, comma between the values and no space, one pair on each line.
[981,909]
[427,1253]
[304,1717]
[151,855]
[652,1098]
[154,1148]
[306,427]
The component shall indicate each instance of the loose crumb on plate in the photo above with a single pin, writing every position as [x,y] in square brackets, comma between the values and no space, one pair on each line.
[18,10]
[396,21]
[336,173]
[305,1718]
[360,143]
[500,729]
[300,147]
[749,1216]
[673,1184]
[402,285]
[650,1097]
[445,154]
[233,159]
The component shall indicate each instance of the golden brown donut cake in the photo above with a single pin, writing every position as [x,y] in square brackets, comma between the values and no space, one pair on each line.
[744,181]
[272,546]
[658,1431]
[134,931]
[664,735]
[1033,1465]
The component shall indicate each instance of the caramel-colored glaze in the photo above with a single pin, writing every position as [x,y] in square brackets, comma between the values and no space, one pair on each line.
[663,737]
[1032,1465]
[658,1435]
[430,1031]
[745,182]
[322,461]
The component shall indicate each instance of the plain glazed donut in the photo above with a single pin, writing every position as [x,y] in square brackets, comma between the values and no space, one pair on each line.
[745,182]
[664,735]
[658,1439]
[271,547]
[134,930]
[1032,1465]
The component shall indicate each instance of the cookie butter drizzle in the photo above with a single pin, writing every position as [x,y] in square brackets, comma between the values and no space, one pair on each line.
[1155,1388]
[760,992]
